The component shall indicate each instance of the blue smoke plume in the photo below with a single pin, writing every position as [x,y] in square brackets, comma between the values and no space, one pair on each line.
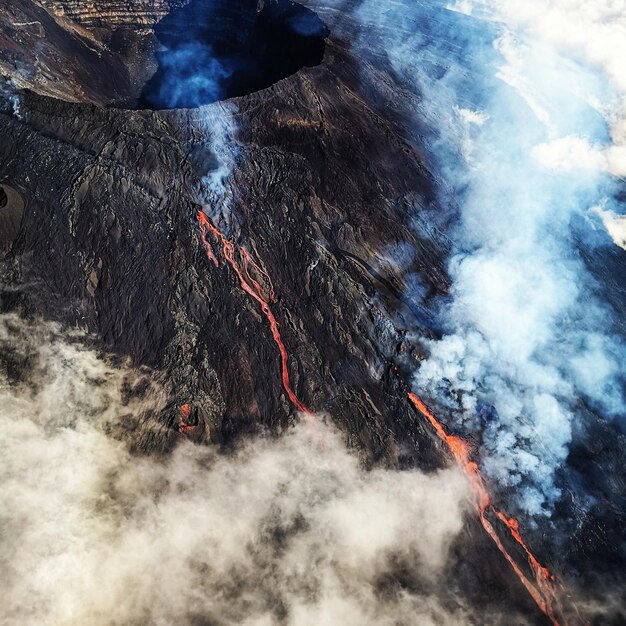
[191,76]
[210,50]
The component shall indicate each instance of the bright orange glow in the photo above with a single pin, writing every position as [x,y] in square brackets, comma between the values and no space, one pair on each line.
[544,590]
[207,246]
[252,287]
[185,412]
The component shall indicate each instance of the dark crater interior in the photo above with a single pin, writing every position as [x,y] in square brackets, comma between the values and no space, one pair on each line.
[217,49]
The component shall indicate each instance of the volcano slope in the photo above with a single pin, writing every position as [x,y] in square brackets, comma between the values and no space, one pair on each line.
[317,181]
[111,240]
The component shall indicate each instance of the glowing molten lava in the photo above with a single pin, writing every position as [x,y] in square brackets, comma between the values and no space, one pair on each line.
[185,411]
[544,590]
[243,264]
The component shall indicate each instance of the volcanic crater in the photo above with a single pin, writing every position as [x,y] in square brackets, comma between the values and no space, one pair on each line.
[217,49]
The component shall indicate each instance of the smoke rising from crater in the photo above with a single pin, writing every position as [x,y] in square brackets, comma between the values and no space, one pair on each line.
[281,531]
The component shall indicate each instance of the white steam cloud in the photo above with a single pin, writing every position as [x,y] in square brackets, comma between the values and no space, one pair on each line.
[614,224]
[526,100]
[282,531]
[525,333]
[9,93]
[592,33]
[219,121]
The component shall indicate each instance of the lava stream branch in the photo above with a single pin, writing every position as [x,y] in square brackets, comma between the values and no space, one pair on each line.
[252,287]
[544,591]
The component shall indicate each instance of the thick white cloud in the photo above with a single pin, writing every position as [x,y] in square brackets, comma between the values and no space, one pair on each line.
[287,530]
[570,153]
[523,330]
[592,33]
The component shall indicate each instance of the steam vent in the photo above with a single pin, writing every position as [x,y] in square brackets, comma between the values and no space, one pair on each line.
[212,50]
[311,313]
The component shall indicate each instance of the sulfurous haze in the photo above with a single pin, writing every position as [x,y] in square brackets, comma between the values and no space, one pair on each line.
[284,530]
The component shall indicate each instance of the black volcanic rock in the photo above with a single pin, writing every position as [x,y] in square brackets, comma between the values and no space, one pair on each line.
[116,207]
[11,214]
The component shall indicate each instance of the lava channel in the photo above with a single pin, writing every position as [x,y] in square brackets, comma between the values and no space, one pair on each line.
[252,287]
[544,591]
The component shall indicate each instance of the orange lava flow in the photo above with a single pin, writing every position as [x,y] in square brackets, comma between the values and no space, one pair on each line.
[544,590]
[254,290]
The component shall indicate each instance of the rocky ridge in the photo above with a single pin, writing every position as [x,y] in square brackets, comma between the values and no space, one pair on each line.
[58,50]
[135,14]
